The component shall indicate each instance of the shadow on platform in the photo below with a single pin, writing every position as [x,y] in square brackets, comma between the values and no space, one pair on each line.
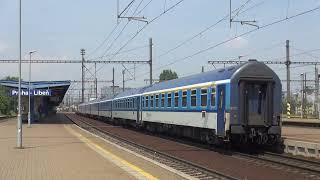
[54,119]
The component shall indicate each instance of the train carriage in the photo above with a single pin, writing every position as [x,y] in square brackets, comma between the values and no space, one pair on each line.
[240,103]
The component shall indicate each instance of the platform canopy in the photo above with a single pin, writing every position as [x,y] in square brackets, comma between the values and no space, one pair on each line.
[57,89]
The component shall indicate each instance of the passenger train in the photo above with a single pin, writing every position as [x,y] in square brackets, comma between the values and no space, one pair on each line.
[240,104]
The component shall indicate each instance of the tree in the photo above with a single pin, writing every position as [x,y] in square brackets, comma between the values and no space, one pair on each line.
[7,103]
[167,75]
[11,78]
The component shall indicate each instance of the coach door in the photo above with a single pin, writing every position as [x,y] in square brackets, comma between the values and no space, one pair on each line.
[221,110]
[137,102]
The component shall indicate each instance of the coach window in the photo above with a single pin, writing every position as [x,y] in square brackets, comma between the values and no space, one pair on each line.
[151,101]
[169,99]
[176,99]
[213,96]
[204,97]
[134,101]
[142,101]
[194,98]
[157,101]
[129,103]
[184,98]
[147,101]
[162,100]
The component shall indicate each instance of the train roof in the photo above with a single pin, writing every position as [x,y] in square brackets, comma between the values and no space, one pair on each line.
[252,68]
[215,75]
[130,92]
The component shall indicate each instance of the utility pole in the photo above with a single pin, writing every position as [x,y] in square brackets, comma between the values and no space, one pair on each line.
[302,95]
[150,60]
[316,92]
[123,80]
[19,130]
[288,62]
[96,80]
[83,52]
[202,69]
[113,81]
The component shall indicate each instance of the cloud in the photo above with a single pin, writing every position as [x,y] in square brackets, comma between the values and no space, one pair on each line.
[238,43]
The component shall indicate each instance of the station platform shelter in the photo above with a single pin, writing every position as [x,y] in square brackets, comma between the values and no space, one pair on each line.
[45,97]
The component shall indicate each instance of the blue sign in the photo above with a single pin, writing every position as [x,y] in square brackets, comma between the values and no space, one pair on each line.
[33,92]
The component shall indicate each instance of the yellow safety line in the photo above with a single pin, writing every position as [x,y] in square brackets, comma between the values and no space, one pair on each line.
[113,156]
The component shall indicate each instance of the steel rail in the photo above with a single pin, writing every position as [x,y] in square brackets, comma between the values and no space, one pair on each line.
[184,163]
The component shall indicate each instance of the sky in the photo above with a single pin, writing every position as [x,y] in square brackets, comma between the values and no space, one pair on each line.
[59,29]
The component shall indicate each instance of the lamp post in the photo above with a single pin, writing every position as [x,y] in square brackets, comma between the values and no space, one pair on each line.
[29,92]
[19,131]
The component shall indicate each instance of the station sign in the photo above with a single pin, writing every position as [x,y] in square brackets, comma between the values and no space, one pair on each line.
[33,92]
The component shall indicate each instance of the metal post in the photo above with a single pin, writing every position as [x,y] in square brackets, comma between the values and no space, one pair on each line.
[202,69]
[96,88]
[29,88]
[302,94]
[305,95]
[96,81]
[230,18]
[288,62]
[113,81]
[150,60]
[83,75]
[19,133]
[316,92]
[123,80]
[29,92]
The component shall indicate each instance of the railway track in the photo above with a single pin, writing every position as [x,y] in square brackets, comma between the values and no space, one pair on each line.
[191,169]
[307,168]
[310,168]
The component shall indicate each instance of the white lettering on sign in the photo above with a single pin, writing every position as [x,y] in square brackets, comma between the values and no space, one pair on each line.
[33,92]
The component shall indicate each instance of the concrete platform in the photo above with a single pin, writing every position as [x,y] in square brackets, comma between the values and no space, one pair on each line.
[304,141]
[58,150]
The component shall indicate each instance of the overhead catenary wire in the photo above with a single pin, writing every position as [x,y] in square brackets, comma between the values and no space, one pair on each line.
[243,34]
[105,39]
[141,29]
[209,28]
[123,52]
[308,52]
[144,7]
[151,21]
[112,43]
[122,30]
[205,30]
[235,37]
